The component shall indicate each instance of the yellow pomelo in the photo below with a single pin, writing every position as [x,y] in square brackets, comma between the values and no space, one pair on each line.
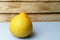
[20,25]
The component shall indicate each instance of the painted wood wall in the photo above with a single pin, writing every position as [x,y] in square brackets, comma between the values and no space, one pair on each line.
[37,10]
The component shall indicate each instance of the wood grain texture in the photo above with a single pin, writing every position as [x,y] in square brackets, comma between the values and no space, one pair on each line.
[29,0]
[29,7]
[33,17]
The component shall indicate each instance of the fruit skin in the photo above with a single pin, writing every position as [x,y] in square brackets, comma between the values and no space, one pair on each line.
[20,25]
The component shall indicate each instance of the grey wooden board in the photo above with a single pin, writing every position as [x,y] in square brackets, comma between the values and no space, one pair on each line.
[41,30]
[29,7]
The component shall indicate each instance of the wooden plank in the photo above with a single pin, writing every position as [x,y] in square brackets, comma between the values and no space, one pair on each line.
[29,0]
[33,17]
[29,7]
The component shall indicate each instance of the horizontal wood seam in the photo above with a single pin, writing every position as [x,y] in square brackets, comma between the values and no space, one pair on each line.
[35,13]
[29,1]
